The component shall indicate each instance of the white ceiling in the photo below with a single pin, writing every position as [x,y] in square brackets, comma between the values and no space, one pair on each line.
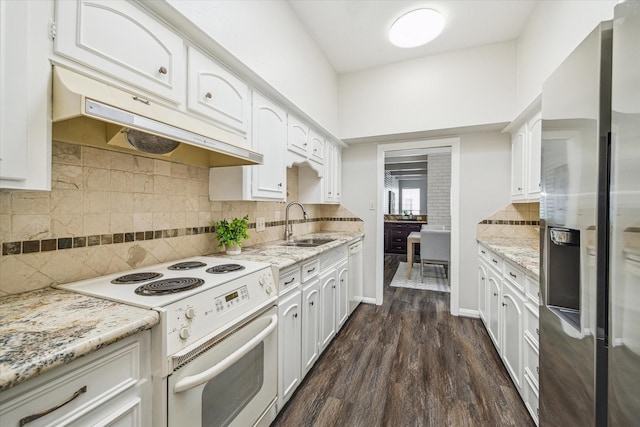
[353,33]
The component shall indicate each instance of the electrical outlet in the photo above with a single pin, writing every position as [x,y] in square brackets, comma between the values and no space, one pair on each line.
[260,224]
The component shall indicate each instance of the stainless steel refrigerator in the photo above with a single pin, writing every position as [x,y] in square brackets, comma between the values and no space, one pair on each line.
[590,230]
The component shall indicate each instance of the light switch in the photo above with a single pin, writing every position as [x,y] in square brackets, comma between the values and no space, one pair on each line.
[260,224]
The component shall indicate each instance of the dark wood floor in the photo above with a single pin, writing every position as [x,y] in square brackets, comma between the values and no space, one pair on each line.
[407,363]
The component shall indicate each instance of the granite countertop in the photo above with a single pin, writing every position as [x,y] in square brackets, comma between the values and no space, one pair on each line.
[523,252]
[43,329]
[285,256]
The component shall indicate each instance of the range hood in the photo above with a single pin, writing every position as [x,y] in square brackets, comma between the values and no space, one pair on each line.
[89,112]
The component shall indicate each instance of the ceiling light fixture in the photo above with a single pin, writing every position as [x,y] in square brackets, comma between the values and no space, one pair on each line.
[416,28]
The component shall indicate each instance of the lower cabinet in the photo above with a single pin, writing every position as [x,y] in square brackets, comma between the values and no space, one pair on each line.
[342,294]
[109,387]
[310,325]
[328,285]
[508,306]
[289,345]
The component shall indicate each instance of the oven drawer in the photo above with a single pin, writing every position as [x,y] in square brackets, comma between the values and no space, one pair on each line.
[288,279]
[105,382]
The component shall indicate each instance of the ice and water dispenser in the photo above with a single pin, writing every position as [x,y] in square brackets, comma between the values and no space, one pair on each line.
[563,273]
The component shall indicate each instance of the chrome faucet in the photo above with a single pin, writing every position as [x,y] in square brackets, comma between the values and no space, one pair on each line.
[288,228]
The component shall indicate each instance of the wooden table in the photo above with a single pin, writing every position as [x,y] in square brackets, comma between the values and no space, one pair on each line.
[413,237]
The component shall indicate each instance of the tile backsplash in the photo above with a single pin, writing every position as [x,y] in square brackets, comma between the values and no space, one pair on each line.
[514,220]
[109,212]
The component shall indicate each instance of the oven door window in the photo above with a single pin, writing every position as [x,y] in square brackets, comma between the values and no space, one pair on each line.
[224,397]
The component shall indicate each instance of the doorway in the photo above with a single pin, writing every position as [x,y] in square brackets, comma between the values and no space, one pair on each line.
[383,202]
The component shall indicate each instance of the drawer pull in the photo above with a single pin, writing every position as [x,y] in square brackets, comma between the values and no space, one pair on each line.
[483,252]
[144,101]
[290,281]
[162,70]
[494,260]
[311,270]
[512,275]
[30,418]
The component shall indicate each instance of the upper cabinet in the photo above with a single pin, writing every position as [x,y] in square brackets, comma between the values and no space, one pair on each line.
[217,94]
[316,147]
[526,134]
[25,93]
[313,188]
[305,145]
[120,40]
[263,182]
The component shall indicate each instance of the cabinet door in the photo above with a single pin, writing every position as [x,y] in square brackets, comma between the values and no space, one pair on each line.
[25,88]
[517,164]
[289,346]
[328,307]
[298,137]
[310,325]
[268,180]
[329,174]
[317,147]
[217,94]
[119,39]
[337,171]
[512,332]
[342,295]
[482,291]
[493,308]
[534,153]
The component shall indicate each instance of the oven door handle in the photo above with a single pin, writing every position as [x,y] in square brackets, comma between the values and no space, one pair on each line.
[203,377]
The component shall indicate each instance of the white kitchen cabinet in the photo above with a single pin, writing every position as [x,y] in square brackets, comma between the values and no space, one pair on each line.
[316,147]
[525,159]
[298,138]
[25,87]
[261,182]
[482,291]
[289,345]
[327,307]
[512,332]
[217,94]
[110,387]
[330,183]
[494,299]
[342,294]
[310,325]
[120,40]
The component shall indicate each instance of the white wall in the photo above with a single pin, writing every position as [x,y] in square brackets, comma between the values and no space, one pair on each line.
[359,183]
[554,29]
[485,164]
[269,38]
[449,90]
[485,160]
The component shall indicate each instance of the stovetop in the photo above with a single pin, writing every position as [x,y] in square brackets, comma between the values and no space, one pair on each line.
[190,276]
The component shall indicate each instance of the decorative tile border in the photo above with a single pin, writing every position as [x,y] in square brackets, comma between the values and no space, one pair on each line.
[46,245]
[508,222]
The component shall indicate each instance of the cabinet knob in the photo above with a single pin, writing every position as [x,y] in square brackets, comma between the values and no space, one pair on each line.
[295,315]
[537,331]
[311,303]
[538,369]
[495,294]
[504,304]
[519,189]
[162,70]
[279,185]
[208,95]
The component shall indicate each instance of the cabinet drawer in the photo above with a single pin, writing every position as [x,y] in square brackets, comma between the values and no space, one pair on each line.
[289,279]
[495,261]
[513,274]
[310,269]
[531,360]
[531,324]
[532,289]
[483,253]
[531,398]
[399,233]
[85,386]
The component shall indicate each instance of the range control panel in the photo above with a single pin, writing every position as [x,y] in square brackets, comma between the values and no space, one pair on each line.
[232,299]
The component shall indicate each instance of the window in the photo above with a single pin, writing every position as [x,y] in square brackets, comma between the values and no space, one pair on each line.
[411,200]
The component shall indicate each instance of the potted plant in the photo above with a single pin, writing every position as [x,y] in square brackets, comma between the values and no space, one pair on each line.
[230,234]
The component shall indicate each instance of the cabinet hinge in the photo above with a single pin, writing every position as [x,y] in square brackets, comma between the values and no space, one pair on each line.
[52,30]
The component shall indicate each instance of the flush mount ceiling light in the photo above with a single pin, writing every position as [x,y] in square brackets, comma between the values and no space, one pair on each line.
[416,28]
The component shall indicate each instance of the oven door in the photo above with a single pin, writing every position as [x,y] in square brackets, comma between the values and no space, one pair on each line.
[232,383]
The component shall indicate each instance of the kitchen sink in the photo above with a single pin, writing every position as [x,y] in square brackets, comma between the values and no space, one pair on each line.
[307,243]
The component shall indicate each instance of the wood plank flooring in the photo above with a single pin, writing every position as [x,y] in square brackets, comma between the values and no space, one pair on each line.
[407,363]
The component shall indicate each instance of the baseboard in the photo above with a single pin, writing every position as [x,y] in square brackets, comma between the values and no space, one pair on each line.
[369,300]
[465,312]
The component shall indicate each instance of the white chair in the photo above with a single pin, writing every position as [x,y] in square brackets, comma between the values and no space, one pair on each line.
[432,227]
[435,248]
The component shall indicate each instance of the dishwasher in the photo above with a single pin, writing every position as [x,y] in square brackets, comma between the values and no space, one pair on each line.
[355,274]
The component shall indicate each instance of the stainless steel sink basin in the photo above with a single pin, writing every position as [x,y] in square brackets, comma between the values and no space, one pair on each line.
[307,243]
